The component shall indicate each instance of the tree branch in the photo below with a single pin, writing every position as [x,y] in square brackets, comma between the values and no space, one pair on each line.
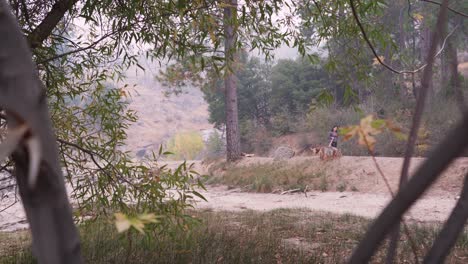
[451,147]
[93,156]
[366,38]
[11,205]
[420,102]
[80,49]
[24,10]
[45,28]
[449,8]
[405,226]
[451,230]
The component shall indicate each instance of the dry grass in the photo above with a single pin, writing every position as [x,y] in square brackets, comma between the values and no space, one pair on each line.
[344,174]
[268,177]
[279,236]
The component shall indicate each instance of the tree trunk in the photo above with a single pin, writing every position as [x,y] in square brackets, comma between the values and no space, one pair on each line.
[455,82]
[444,60]
[233,147]
[22,95]
[425,44]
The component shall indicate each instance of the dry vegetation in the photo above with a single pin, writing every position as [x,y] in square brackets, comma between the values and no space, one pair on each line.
[343,174]
[279,236]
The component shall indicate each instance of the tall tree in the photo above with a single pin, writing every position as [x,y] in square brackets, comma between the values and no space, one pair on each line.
[254,25]
[233,147]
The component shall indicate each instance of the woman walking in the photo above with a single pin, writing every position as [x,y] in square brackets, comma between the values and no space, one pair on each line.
[333,137]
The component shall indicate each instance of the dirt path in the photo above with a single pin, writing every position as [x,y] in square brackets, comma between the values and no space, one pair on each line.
[361,204]
[434,208]
[355,171]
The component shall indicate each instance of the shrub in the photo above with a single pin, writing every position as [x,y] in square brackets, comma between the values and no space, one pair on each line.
[323,183]
[256,139]
[215,146]
[185,145]
[341,187]
[282,123]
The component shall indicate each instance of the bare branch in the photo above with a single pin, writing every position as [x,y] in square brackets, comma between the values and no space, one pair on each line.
[420,102]
[10,205]
[377,57]
[451,230]
[7,187]
[405,226]
[449,8]
[451,147]
[90,46]
[24,10]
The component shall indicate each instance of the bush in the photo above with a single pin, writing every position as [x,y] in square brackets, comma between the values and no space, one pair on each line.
[185,145]
[215,146]
[283,123]
[255,139]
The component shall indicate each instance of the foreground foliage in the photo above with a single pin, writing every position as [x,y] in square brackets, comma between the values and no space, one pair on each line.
[280,236]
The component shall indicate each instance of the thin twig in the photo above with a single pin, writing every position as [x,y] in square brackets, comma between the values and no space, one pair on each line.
[24,9]
[419,109]
[93,155]
[290,191]
[452,229]
[377,57]
[9,206]
[405,225]
[439,159]
[7,187]
[4,167]
[92,45]
[449,8]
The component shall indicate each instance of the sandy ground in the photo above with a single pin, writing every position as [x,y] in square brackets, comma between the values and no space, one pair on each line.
[367,205]
[360,171]
[221,199]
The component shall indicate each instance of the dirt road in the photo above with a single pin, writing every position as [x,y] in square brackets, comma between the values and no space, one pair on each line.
[221,199]
[361,204]
[357,171]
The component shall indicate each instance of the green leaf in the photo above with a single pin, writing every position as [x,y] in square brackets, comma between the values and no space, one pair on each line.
[378,123]
[199,195]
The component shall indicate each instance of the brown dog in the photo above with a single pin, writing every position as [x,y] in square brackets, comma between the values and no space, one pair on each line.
[328,153]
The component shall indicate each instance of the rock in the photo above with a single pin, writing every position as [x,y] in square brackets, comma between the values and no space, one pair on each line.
[141,153]
[300,243]
[282,153]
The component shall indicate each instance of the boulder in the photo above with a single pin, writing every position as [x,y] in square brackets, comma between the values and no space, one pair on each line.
[283,153]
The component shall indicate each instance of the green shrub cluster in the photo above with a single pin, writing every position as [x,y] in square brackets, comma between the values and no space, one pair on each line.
[185,145]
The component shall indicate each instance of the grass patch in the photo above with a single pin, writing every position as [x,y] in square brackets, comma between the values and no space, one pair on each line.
[268,177]
[279,236]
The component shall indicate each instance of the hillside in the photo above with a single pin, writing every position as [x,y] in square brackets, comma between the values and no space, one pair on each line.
[160,117]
